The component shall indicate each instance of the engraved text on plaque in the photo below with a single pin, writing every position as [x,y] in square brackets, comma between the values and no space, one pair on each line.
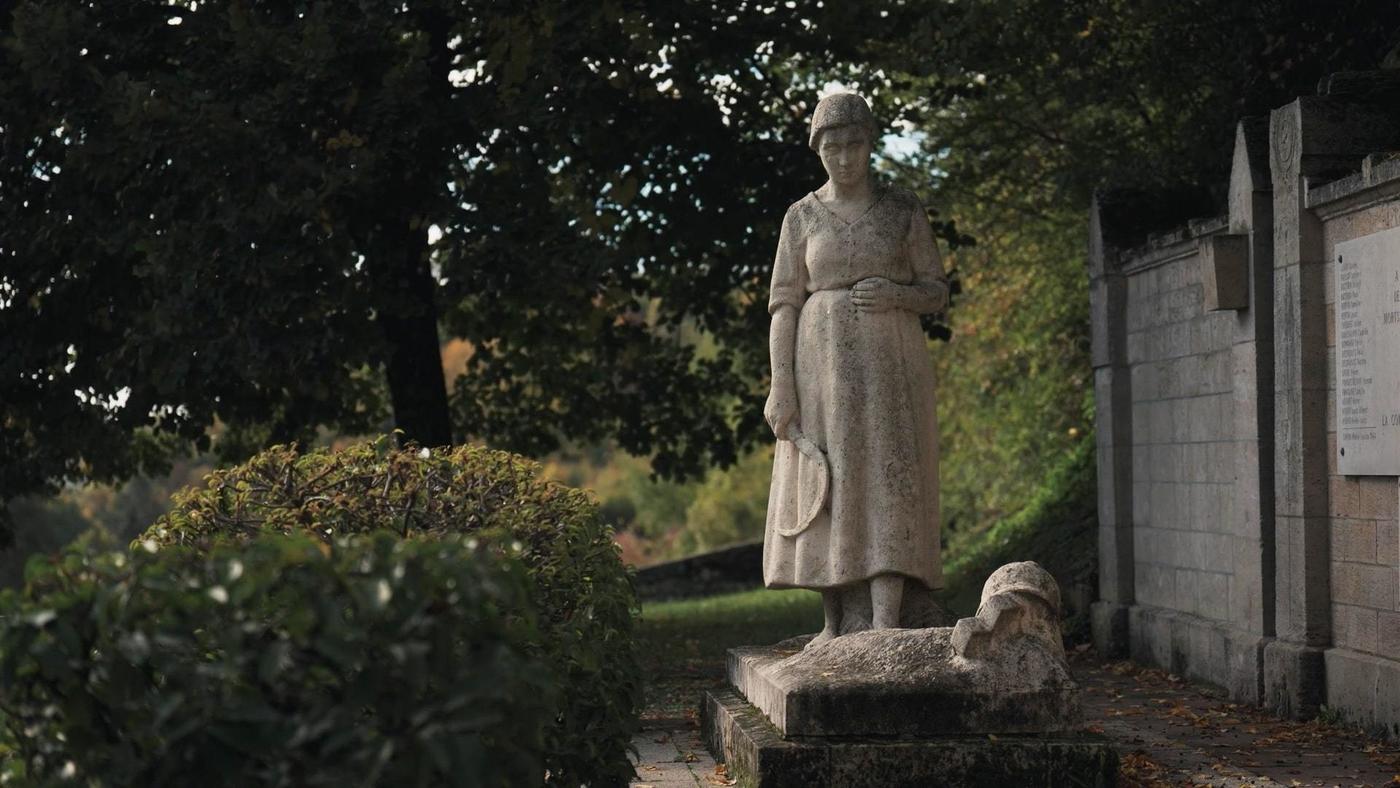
[1368,354]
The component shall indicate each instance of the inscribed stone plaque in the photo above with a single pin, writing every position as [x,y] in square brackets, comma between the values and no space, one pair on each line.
[1368,355]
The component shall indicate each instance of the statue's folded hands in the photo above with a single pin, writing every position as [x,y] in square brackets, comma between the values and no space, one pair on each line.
[878,294]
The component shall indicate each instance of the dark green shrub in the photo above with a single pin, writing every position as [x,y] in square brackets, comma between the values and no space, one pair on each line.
[580,587]
[1057,528]
[283,661]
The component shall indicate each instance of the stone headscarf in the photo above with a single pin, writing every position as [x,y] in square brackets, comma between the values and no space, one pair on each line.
[841,109]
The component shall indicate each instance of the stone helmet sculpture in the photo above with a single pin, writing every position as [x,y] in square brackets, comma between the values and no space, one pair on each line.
[1024,577]
[1019,601]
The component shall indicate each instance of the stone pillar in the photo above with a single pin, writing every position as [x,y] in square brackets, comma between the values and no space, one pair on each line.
[1113,419]
[1318,138]
[1251,592]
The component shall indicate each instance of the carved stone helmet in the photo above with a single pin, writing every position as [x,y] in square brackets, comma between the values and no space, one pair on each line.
[1024,577]
[841,109]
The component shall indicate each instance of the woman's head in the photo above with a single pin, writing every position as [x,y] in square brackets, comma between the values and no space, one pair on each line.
[843,134]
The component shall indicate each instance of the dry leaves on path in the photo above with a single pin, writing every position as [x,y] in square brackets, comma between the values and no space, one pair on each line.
[1190,734]
[1138,770]
[721,776]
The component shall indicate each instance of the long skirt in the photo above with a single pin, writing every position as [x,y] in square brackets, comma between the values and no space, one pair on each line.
[865,393]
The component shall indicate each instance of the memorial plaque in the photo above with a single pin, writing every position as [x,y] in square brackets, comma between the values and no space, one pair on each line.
[1368,355]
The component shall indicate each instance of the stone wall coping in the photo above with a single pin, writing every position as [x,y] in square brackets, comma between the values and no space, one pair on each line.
[1162,248]
[1378,181]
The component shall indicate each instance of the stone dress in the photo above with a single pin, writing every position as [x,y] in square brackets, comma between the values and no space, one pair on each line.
[865,396]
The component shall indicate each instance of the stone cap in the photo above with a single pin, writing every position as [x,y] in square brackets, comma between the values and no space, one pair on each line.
[1127,218]
[1377,170]
[842,109]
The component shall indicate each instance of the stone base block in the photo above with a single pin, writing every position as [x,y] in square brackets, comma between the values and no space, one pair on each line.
[1199,649]
[759,757]
[1109,623]
[1295,679]
[906,683]
[1365,690]
[1245,653]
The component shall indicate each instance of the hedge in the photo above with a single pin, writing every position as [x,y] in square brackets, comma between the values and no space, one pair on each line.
[578,583]
[279,662]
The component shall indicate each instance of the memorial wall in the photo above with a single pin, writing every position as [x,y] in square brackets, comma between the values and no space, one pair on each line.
[1247,380]
[1360,218]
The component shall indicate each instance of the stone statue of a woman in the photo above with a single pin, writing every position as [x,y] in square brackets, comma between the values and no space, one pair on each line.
[853,509]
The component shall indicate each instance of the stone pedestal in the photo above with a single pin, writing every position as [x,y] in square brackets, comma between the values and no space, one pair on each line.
[904,683]
[989,701]
[760,757]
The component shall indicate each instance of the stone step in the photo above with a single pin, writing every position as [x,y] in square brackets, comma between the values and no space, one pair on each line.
[757,755]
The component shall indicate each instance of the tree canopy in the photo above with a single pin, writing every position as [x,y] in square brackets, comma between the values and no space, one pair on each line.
[256,213]
[264,216]
[1059,99]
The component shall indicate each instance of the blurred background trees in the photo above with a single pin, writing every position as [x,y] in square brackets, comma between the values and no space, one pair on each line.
[225,224]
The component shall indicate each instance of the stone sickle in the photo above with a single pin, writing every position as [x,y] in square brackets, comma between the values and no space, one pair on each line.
[815,482]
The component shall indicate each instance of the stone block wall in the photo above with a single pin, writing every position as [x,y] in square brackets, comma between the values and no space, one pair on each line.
[1232,549]
[1363,511]
[1192,374]
[1180,362]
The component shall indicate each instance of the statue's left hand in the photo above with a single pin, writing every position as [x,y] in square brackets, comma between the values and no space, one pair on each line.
[876,294]
[781,411]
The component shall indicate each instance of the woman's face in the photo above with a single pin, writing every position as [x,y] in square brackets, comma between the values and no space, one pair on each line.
[845,153]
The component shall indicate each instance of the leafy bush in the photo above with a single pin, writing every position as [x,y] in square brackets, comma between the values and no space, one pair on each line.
[1015,388]
[579,585]
[1057,528]
[730,506]
[279,662]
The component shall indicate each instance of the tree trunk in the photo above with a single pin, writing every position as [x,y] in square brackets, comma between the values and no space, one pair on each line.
[417,388]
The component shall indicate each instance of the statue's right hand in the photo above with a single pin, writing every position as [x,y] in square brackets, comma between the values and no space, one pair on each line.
[781,412]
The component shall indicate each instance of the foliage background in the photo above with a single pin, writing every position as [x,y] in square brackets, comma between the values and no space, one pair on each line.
[279,661]
[615,174]
[1008,115]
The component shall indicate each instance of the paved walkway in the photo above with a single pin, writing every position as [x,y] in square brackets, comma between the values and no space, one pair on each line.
[671,754]
[1167,732]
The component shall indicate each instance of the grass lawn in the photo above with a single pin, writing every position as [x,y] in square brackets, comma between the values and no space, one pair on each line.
[683,642]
